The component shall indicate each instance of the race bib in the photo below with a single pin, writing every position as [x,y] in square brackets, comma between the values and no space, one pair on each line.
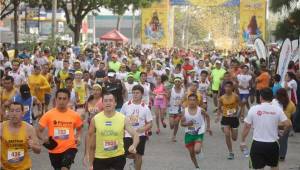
[231,112]
[134,120]
[26,109]
[110,145]
[15,155]
[61,133]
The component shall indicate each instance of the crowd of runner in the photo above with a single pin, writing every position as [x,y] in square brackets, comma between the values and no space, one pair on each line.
[123,95]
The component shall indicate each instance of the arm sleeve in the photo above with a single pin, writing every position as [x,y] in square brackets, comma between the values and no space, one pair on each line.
[78,122]
[44,120]
[249,117]
[148,115]
[282,116]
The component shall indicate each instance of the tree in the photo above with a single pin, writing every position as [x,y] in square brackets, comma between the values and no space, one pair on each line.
[6,8]
[289,27]
[118,8]
[76,11]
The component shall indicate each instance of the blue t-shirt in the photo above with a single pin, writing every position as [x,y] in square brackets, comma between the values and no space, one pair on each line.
[275,88]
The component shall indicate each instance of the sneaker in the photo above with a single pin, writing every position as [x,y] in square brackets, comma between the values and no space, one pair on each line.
[245,152]
[131,165]
[200,156]
[230,156]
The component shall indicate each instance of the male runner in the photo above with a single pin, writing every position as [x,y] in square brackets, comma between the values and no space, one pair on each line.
[140,118]
[105,145]
[64,129]
[17,138]
[228,106]
[194,120]
[244,84]
[265,119]
[175,106]
[217,75]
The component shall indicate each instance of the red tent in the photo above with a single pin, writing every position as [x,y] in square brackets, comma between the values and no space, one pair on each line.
[114,35]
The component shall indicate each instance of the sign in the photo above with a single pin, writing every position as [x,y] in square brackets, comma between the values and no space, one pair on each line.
[260,48]
[155,24]
[252,21]
[208,3]
[284,58]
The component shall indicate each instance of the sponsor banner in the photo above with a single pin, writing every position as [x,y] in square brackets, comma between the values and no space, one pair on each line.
[208,3]
[295,44]
[284,58]
[155,24]
[252,21]
[260,48]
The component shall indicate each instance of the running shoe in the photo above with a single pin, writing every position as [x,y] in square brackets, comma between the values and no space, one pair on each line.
[200,156]
[246,152]
[230,156]
[158,131]
[164,124]
[131,165]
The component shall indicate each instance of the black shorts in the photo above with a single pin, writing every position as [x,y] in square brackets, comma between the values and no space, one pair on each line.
[215,91]
[232,122]
[140,149]
[65,159]
[116,163]
[264,154]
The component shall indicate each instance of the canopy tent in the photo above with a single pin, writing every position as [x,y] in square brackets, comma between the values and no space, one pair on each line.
[114,35]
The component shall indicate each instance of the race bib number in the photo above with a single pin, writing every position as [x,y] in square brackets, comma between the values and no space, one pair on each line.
[61,133]
[110,145]
[134,120]
[15,155]
[231,112]
[26,109]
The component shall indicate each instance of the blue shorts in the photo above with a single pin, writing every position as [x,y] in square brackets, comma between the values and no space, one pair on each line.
[244,97]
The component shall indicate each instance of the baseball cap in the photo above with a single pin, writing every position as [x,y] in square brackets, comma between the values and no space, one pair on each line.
[111,74]
[218,62]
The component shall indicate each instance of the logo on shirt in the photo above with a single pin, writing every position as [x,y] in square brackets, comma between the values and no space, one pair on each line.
[108,123]
[259,113]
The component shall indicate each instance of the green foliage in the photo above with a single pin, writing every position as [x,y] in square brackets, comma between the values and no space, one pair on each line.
[290,27]
[276,5]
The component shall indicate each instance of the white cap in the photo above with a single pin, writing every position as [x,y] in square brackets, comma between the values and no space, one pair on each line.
[218,62]
[111,74]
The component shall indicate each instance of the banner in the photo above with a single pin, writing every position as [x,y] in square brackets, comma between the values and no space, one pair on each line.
[207,3]
[295,44]
[284,58]
[252,21]
[295,51]
[260,48]
[155,24]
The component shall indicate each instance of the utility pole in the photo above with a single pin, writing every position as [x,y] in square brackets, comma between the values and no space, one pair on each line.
[54,9]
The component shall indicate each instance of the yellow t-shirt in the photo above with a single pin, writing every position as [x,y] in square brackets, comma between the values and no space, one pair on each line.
[38,85]
[109,135]
[14,148]
[229,105]
[81,91]
[289,110]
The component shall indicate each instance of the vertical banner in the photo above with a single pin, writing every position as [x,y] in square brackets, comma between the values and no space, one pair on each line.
[252,21]
[260,48]
[155,24]
[284,58]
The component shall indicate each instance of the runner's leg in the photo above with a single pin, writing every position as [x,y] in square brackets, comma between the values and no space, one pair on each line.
[193,156]
[228,138]
[138,161]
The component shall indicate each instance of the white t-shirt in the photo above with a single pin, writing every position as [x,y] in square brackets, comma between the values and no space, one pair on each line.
[244,81]
[159,72]
[26,69]
[146,96]
[264,119]
[121,76]
[293,89]
[129,89]
[19,77]
[138,115]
